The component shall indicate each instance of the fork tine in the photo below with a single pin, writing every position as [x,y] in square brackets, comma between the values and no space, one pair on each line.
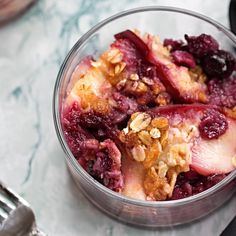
[9,194]
[3,216]
[5,206]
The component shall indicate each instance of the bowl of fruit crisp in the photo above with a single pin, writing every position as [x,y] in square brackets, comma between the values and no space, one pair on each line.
[145,110]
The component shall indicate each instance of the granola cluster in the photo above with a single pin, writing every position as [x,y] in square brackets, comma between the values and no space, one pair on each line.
[163,151]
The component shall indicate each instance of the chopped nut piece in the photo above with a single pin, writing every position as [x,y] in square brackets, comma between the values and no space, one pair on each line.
[156,89]
[141,121]
[119,68]
[197,74]
[145,137]
[163,99]
[147,81]
[138,153]
[141,88]
[134,77]
[155,133]
[234,161]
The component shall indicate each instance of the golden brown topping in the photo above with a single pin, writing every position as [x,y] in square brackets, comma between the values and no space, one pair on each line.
[114,55]
[130,139]
[90,101]
[156,187]
[164,151]
[152,154]
[162,169]
[197,74]
[163,99]
[119,68]
[164,138]
[230,112]
[140,122]
[145,137]
[160,122]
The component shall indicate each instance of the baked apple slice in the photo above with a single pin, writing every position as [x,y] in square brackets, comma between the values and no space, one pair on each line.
[215,156]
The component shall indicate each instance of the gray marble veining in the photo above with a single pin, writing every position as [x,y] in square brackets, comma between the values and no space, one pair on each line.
[31,51]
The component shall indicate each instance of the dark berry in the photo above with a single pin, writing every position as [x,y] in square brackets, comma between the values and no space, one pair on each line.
[191,183]
[223,92]
[103,163]
[218,64]
[191,175]
[182,58]
[212,125]
[213,180]
[201,45]
[173,44]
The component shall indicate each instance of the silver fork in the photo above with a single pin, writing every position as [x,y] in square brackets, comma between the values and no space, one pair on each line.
[16,216]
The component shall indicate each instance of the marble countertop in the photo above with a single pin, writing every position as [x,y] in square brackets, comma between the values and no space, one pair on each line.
[32,161]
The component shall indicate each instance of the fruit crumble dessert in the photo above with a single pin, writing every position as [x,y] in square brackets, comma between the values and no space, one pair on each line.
[151,120]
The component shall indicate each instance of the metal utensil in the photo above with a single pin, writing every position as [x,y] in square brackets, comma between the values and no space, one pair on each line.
[232,16]
[16,216]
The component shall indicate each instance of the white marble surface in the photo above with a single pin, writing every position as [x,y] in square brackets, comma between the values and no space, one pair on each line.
[31,51]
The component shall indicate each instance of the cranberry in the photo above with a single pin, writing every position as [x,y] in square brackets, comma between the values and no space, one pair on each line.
[223,92]
[198,187]
[103,163]
[218,64]
[177,194]
[182,58]
[187,188]
[201,45]
[213,124]
[173,44]
[73,132]
[213,180]
[191,175]
[191,183]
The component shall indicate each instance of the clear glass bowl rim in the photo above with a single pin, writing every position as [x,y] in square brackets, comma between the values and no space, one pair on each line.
[56,113]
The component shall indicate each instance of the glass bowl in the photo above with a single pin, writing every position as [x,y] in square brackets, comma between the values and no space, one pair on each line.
[166,22]
[10,9]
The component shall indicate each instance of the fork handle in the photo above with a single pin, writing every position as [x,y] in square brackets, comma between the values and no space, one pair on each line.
[37,232]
